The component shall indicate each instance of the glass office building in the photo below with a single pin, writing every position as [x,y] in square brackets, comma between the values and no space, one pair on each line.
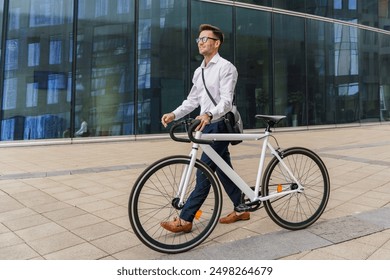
[118,65]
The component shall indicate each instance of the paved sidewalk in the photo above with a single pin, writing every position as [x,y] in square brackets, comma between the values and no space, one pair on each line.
[70,201]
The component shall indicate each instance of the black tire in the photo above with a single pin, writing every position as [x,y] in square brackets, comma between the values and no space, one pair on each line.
[301,209]
[151,202]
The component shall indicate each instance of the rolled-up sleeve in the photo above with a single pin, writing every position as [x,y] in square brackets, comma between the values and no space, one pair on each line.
[188,105]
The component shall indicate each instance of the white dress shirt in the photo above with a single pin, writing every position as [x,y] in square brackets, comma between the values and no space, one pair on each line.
[83,129]
[221,78]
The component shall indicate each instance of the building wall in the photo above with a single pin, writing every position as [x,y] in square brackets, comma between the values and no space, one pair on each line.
[118,65]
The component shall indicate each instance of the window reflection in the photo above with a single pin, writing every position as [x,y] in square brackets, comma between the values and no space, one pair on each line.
[346,50]
[289,79]
[253,61]
[338,4]
[47,13]
[320,82]
[105,72]
[162,61]
[33,104]
[34,53]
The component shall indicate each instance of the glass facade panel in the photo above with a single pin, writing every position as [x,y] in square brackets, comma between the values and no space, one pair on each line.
[384,61]
[162,61]
[291,5]
[346,69]
[104,89]
[290,69]
[369,76]
[384,77]
[254,93]
[322,8]
[35,75]
[319,72]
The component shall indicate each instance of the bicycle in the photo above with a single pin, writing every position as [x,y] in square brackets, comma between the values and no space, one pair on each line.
[294,188]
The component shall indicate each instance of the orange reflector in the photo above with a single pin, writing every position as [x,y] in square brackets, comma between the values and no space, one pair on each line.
[280,188]
[198,214]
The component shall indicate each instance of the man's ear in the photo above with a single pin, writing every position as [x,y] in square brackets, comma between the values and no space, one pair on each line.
[218,44]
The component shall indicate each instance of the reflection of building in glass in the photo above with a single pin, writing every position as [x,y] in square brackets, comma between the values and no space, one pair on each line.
[120,64]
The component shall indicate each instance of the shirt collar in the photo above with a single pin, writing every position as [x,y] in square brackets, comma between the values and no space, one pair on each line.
[212,61]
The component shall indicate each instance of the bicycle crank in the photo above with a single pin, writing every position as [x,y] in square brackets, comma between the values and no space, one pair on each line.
[247,205]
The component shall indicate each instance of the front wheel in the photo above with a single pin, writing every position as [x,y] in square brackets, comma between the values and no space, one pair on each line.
[296,210]
[154,199]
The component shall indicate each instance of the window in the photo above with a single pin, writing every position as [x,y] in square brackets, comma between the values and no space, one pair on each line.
[338,4]
[55,52]
[32,95]
[34,51]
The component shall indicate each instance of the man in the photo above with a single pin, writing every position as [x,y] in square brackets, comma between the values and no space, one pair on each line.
[220,78]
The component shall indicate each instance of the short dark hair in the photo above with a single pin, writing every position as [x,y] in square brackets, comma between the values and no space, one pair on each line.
[216,31]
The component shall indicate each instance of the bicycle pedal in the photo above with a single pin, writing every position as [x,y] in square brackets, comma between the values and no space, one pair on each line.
[249,207]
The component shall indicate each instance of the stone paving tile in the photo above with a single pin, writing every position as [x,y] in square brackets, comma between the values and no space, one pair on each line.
[50,207]
[82,199]
[96,205]
[96,231]
[26,222]
[69,195]
[84,251]
[40,231]
[116,243]
[122,222]
[234,234]
[55,243]
[319,254]
[18,252]
[347,250]
[79,221]
[64,213]
[35,197]
[112,213]
[16,214]
[8,203]
[379,217]
[343,229]
[135,252]
[3,228]
[11,187]
[380,254]
[8,239]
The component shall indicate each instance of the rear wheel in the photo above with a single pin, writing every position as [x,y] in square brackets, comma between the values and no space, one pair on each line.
[296,210]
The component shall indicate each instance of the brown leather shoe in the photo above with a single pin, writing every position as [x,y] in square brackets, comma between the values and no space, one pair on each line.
[177,226]
[233,217]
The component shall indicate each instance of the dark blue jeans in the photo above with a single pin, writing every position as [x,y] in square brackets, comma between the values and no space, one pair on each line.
[202,187]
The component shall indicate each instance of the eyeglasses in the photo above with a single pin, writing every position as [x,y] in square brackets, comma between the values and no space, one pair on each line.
[204,39]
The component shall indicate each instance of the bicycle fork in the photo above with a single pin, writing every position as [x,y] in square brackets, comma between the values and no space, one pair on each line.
[186,175]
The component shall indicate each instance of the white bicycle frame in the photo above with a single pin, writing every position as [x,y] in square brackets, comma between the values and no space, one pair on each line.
[218,160]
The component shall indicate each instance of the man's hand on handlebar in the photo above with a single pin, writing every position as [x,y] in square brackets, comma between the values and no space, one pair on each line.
[167,118]
[204,120]
[191,126]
